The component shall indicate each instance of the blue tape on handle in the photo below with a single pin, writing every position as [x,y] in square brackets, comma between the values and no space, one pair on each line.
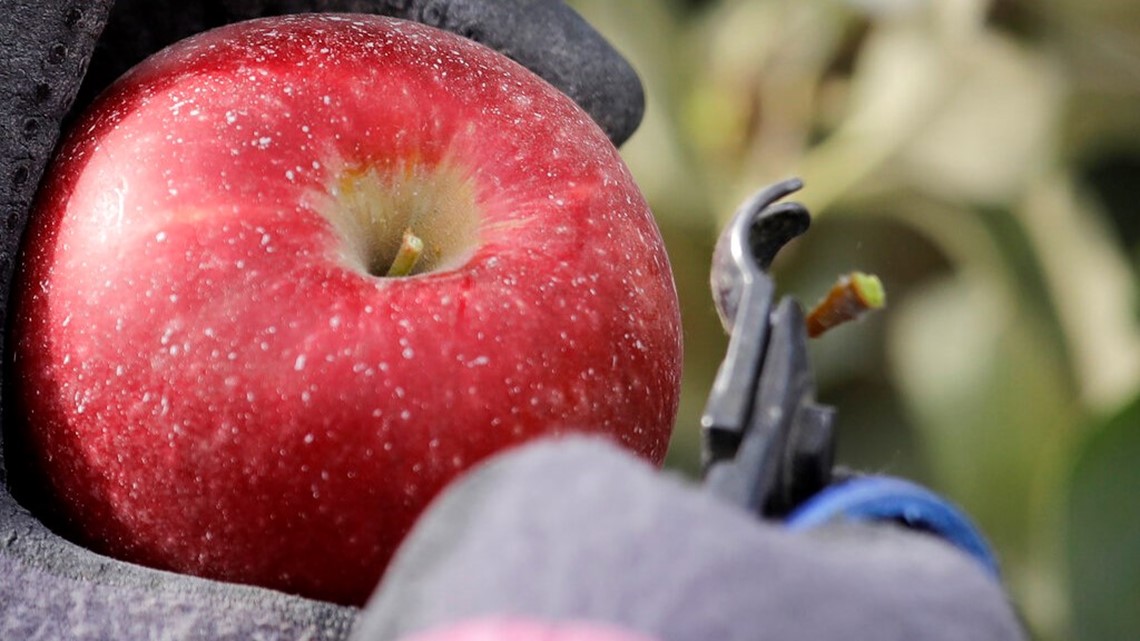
[881,498]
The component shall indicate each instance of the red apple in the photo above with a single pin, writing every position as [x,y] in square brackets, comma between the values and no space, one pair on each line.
[504,629]
[215,374]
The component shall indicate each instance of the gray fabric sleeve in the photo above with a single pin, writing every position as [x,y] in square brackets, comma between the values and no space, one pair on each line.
[578,530]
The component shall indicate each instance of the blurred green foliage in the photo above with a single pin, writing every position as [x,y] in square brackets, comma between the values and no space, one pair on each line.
[983,158]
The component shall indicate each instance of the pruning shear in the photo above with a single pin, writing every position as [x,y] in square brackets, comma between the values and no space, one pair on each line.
[768,445]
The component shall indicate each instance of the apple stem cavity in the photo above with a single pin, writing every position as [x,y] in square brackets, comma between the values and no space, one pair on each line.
[852,296]
[369,204]
[411,248]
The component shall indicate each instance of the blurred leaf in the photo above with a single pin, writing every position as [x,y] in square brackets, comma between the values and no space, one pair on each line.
[1103,531]
[988,393]
[993,132]
[1093,289]
[901,79]
[1099,42]
[750,113]
[944,105]
[1102,38]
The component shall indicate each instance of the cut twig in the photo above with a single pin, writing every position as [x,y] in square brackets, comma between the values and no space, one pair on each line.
[852,296]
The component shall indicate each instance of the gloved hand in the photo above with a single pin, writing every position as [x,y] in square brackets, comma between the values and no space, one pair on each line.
[49,588]
[578,531]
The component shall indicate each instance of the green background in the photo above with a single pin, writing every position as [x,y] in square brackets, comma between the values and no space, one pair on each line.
[981,157]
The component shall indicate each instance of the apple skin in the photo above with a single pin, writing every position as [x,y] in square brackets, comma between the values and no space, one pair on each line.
[210,379]
[516,629]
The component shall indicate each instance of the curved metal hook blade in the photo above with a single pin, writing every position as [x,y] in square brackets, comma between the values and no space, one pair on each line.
[773,228]
[750,242]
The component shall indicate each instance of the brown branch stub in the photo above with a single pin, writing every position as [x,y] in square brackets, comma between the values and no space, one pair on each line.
[852,296]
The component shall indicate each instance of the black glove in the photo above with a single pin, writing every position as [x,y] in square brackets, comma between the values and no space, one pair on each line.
[544,35]
[49,588]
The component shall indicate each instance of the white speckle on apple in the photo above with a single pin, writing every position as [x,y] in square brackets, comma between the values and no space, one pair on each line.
[299,364]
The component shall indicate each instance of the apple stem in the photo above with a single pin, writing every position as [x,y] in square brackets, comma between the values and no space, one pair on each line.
[850,298]
[411,248]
